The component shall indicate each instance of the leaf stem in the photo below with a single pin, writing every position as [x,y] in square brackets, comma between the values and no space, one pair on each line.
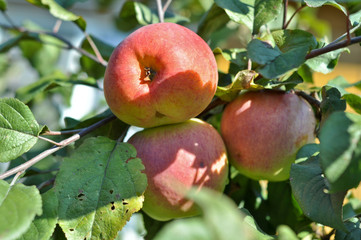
[49,140]
[13,182]
[96,50]
[55,148]
[293,15]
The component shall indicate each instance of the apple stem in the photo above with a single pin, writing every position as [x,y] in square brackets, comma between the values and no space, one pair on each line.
[149,74]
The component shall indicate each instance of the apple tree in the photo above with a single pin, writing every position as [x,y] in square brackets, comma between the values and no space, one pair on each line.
[67,178]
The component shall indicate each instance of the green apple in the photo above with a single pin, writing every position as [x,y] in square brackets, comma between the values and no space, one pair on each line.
[263,130]
[179,157]
[160,74]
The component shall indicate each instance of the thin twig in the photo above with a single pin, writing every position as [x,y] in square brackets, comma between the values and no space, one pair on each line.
[54,149]
[95,49]
[68,44]
[166,5]
[332,47]
[293,15]
[10,21]
[57,26]
[285,6]
[249,64]
[352,30]
[348,23]
[57,133]
[160,11]
[16,178]
[49,140]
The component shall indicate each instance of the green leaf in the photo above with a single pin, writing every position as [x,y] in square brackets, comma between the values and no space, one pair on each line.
[285,233]
[289,53]
[43,226]
[58,11]
[92,68]
[221,220]
[319,3]
[3,5]
[107,187]
[331,102]
[50,82]
[311,192]
[57,8]
[326,62]
[252,13]
[353,231]
[355,18]
[243,80]
[340,150]
[41,50]
[237,56]
[354,101]
[133,14]
[18,129]
[214,19]
[18,206]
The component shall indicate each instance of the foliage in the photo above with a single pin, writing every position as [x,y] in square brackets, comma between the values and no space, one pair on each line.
[51,187]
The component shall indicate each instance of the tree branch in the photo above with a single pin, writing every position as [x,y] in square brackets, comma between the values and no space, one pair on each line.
[285,6]
[54,149]
[332,47]
[293,15]
[68,44]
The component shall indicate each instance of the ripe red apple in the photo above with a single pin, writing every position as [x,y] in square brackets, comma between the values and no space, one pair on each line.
[160,74]
[178,157]
[263,130]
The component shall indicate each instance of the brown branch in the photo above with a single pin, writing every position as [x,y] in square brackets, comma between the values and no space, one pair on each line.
[285,6]
[96,50]
[55,148]
[293,15]
[332,47]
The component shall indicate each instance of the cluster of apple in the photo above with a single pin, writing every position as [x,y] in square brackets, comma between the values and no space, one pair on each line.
[162,76]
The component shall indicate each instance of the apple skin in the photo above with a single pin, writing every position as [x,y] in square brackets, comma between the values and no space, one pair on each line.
[160,74]
[263,130]
[178,157]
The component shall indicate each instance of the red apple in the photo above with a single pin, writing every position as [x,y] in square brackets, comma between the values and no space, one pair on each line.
[160,74]
[178,157]
[263,130]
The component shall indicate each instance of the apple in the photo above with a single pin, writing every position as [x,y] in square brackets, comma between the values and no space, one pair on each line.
[160,74]
[263,130]
[178,157]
